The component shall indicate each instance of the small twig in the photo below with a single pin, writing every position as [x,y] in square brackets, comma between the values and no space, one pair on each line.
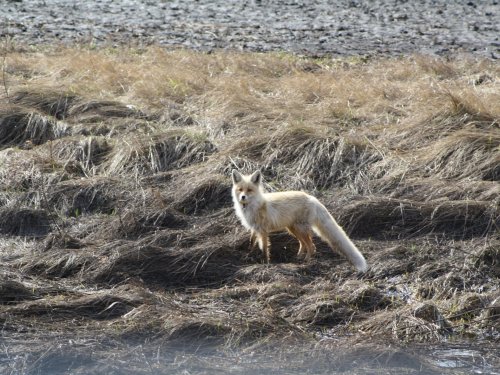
[48,207]
[375,147]
[4,75]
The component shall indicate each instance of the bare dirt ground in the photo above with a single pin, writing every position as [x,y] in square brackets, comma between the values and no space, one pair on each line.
[120,252]
[313,28]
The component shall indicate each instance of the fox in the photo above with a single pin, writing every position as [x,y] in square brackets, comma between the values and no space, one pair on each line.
[297,212]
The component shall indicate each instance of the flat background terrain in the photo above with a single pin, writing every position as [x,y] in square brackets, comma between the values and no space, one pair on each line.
[318,27]
[120,252]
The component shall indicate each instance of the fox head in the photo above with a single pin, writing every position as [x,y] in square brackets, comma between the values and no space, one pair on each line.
[246,188]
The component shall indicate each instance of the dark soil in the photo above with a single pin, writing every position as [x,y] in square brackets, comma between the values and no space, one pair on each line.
[314,28]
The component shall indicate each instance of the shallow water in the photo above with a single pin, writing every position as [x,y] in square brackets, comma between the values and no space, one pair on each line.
[67,356]
[472,360]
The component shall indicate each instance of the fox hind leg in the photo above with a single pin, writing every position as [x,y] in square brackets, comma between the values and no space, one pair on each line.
[311,248]
[304,235]
[296,233]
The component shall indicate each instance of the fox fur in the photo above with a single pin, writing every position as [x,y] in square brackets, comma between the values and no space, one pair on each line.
[297,212]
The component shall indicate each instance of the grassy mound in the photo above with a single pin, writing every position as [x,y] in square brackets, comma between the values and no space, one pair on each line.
[115,206]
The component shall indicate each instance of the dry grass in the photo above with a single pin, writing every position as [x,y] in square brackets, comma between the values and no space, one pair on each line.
[115,165]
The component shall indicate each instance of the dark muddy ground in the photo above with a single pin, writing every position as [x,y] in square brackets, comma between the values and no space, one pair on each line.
[319,27]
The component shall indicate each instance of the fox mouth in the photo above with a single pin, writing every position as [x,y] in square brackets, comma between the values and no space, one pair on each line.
[244,204]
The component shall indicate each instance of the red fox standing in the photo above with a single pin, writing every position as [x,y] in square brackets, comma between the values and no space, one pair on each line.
[295,211]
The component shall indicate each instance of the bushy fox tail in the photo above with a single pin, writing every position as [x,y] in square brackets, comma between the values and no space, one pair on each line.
[328,229]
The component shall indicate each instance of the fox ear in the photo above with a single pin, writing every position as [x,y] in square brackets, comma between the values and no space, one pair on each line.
[236,176]
[256,177]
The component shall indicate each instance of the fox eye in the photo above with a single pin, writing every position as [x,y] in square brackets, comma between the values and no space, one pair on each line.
[250,190]
[240,190]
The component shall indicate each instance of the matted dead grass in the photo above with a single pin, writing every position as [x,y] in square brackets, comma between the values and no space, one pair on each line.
[116,211]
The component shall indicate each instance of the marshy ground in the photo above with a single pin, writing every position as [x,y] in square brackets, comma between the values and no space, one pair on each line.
[120,252]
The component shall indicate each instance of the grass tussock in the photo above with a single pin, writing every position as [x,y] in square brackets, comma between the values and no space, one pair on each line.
[25,127]
[52,103]
[115,167]
[158,153]
[24,221]
[396,218]
[80,155]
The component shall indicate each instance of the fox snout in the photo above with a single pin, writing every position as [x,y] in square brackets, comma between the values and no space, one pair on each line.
[242,196]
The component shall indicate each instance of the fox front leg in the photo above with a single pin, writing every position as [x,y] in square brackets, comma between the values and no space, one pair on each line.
[264,245]
[253,239]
